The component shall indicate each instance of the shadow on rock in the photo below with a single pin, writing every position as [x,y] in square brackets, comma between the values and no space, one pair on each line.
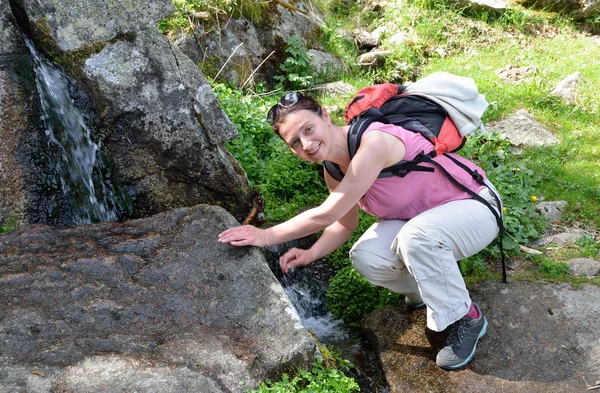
[541,338]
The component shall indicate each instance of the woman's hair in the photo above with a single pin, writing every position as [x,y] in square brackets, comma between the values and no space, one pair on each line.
[290,103]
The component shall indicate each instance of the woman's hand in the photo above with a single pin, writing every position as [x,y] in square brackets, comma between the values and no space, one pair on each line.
[294,257]
[245,235]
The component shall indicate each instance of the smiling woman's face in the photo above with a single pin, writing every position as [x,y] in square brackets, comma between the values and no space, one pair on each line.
[306,133]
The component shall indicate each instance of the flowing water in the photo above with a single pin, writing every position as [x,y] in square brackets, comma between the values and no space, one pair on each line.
[307,288]
[65,125]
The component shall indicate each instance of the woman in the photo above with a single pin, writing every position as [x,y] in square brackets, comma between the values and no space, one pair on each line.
[426,223]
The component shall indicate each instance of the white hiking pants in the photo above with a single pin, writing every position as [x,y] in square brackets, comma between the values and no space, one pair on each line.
[420,255]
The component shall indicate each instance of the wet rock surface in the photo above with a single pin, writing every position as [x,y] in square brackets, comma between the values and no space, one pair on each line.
[149,305]
[149,107]
[541,338]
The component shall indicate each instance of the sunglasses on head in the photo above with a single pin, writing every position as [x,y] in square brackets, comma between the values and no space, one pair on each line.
[288,100]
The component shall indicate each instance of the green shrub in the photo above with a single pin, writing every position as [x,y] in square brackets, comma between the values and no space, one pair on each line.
[340,258]
[516,184]
[9,226]
[296,67]
[186,14]
[256,141]
[588,247]
[350,296]
[319,379]
[554,270]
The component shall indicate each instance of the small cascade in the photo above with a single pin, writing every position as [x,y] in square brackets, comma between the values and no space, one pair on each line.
[65,125]
[307,295]
[307,288]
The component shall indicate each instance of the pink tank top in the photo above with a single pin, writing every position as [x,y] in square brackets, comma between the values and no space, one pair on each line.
[405,197]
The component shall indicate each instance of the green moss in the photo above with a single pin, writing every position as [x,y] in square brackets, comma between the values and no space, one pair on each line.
[8,225]
[210,66]
[243,69]
[212,14]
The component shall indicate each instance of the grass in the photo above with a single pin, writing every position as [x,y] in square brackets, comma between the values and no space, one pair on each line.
[8,226]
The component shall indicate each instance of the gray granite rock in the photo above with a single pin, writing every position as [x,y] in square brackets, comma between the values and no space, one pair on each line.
[149,305]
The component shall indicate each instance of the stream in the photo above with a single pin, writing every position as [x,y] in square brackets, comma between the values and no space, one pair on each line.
[306,288]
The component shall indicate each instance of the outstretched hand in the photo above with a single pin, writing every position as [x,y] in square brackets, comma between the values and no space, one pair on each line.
[294,257]
[245,235]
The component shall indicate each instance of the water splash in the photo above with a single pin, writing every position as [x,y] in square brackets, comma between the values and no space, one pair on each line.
[65,126]
[307,296]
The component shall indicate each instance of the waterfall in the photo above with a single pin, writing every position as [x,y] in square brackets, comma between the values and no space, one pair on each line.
[79,164]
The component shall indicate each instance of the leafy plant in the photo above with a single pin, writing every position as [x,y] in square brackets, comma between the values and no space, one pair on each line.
[516,185]
[190,13]
[554,270]
[9,226]
[589,247]
[256,141]
[340,257]
[296,67]
[475,268]
[350,296]
[319,378]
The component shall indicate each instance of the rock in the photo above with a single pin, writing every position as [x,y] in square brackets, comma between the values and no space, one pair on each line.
[560,239]
[374,58]
[338,88]
[515,74]
[379,32]
[541,338]
[242,51]
[345,34]
[522,130]
[584,266]
[364,40]
[149,305]
[160,140]
[484,5]
[324,64]
[553,210]
[29,189]
[76,24]
[398,39]
[589,8]
[580,9]
[567,88]
[149,108]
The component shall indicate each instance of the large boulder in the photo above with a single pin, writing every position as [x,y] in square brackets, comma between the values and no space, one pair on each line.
[149,305]
[149,108]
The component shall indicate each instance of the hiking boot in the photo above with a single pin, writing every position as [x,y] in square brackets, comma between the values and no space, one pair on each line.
[414,300]
[462,341]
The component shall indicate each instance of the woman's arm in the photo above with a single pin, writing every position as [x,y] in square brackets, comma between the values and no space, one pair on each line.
[333,237]
[377,151]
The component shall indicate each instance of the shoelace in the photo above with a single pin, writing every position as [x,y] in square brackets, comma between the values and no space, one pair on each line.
[457,333]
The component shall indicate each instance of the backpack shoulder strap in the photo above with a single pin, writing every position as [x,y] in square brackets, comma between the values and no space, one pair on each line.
[334,170]
[359,125]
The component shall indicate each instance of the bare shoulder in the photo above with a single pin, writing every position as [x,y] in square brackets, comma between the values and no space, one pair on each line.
[384,144]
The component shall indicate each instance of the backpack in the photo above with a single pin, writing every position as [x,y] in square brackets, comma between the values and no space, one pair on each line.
[387,104]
